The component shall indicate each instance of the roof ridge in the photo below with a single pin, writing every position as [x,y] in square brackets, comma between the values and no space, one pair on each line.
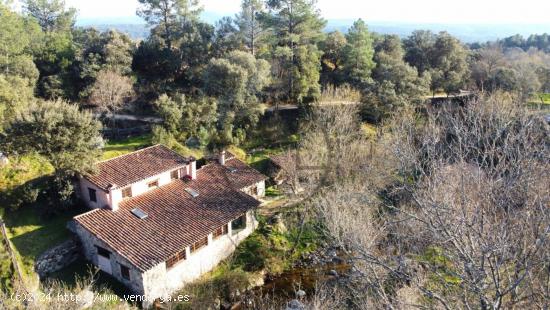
[134,152]
[86,213]
[215,162]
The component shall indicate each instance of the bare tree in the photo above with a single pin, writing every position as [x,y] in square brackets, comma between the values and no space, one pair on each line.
[481,194]
[111,90]
[448,211]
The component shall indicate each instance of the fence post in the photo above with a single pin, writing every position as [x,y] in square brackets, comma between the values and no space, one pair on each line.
[7,246]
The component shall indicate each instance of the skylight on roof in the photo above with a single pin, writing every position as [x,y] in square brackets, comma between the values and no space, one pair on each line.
[232,169]
[139,213]
[192,192]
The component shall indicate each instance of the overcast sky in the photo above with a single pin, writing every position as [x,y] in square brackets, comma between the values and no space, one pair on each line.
[416,11]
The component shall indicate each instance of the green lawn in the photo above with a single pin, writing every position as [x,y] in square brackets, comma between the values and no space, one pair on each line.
[31,234]
[116,148]
[22,170]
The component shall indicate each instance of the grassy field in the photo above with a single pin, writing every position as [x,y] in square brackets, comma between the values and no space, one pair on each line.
[24,169]
[120,147]
[31,234]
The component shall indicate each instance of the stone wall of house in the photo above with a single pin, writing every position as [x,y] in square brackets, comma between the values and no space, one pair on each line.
[57,258]
[102,196]
[260,190]
[89,245]
[159,282]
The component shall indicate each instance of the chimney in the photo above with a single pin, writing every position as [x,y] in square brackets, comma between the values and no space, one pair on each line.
[221,158]
[193,173]
[115,196]
[191,169]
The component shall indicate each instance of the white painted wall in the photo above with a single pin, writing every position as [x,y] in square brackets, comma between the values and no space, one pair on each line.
[113,198]
[159,282]
[103,198]
[261,190]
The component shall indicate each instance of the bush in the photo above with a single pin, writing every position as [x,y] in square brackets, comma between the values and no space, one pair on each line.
[162,136]
[20,196]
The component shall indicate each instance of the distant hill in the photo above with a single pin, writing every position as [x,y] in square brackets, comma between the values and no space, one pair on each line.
[466,33]
[137,29]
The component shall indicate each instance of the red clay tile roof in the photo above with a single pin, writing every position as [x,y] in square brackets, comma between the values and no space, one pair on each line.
[238,174]
[134,167]
[175,219]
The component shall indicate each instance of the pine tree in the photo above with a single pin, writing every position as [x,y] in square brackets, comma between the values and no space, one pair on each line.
[359,52]
[296,28]
[250,28]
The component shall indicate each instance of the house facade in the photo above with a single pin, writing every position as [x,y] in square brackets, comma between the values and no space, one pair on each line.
[159,222]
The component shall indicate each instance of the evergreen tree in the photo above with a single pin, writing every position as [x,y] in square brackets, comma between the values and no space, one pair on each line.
[250,28]
[18,73]
[51,15]
[55,54]
[68,138]
[332,61]
[296,28]
[237,81]
[418,48]
[168,16]
[449,65]
[359,51]
[396,83]
[178,48]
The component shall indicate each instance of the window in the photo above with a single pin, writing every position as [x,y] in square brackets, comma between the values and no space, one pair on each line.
[254,190]
[221,231]
[92,194]
[125,272]
[192,192]
[103,252]
[174,259]
[174,175]
[199,244]
[127,192]
[153,184]
[238,224]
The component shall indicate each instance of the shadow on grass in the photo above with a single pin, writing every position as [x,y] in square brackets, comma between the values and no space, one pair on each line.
[31,234]
[261,165]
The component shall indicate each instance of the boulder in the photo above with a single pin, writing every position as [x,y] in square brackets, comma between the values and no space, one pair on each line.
[85,299]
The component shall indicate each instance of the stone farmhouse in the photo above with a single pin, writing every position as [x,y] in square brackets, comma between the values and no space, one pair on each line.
[158,222]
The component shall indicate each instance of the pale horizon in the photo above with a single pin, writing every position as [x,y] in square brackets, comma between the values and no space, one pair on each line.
[417,12]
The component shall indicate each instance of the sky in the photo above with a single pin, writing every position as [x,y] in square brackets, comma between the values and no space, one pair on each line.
[405,11]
